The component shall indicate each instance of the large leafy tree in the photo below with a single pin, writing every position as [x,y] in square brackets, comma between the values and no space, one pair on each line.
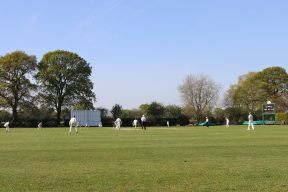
[131,113]
[15,85]
[84,104]
[248,93]
[155,110]
[219,115]
[103,112]
[64,80]
[173,111]
[273,82]
[144,108]
[254,89]
[199,93]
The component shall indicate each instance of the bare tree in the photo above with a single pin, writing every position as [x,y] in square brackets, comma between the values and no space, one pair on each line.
[199,92]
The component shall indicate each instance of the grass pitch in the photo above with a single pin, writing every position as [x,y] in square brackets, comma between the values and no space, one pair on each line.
[160,159]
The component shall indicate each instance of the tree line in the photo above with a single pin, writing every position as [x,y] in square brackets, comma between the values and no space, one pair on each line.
[200,95]
[61,79]
[256,88]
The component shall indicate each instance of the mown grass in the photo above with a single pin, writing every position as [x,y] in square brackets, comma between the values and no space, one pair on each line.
[160,159]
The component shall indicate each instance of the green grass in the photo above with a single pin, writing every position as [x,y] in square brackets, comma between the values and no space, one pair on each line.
[160,159]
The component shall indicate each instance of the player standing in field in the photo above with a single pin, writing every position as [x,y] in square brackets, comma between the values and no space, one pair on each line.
[207,122]
[39,125]
[135,123]
[143,122]
[118,123]
[227,122]
[73,123]
[250,122]
[6,125]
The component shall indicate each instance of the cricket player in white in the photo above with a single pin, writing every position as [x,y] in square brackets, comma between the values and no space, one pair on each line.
[227,122]
[73,123]
[250,122]
[207,121]
[39,125]
[143,122]
[118,123]
[135,123]
[6,125]
[168,124]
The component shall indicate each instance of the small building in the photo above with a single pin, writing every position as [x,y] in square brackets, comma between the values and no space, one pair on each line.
[87,117]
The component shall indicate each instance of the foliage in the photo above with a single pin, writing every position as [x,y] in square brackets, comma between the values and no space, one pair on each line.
[155,110]
[144,108]
[103,112]
[281,117]
[131,113]
[64,79]
[116,111]
[272,81]
[255,88]
[173,111]
[219,116]
[234,114]
[188,112]
[84,104]
[15,85]
[228,100]
[4,116]
[30,110]
[248,93]
[281,102]
[47,112]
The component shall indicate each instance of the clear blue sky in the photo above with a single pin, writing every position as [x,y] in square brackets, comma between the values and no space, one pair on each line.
[142,50]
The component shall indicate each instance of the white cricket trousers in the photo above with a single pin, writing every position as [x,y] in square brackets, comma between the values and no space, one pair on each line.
[227,124]
[250,124]
[76,128]
[118,125]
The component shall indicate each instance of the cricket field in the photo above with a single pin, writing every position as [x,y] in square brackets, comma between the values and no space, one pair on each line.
[159,159]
